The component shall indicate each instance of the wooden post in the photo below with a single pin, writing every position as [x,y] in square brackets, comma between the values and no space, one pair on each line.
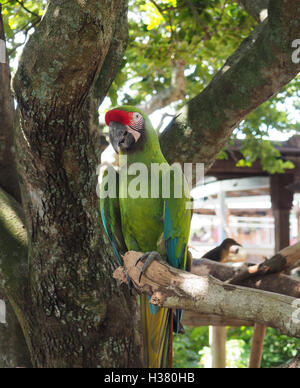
[282,202]
[257,346]
[218,336]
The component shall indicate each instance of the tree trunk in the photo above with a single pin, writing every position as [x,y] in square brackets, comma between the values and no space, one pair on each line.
[74,308]
[56,266]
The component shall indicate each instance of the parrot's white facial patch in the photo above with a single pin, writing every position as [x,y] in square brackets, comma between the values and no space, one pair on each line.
[134,133]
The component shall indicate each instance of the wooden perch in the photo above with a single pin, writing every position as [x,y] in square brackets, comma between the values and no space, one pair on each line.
[283,260]
[277,282]
[173,288]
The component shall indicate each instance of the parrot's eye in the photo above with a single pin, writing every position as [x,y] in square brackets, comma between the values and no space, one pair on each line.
[137,116]
[137,121]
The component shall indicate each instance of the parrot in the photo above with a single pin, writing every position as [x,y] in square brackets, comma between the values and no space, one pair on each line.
[157,224]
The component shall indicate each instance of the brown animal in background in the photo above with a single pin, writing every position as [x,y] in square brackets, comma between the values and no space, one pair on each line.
[221,252]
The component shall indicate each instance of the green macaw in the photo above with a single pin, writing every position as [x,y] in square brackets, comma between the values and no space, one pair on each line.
[157,223]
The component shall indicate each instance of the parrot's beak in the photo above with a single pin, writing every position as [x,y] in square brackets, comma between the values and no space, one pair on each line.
[119,137]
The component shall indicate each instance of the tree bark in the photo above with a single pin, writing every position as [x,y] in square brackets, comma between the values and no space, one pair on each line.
[74,307]
[67,304]
[276,283]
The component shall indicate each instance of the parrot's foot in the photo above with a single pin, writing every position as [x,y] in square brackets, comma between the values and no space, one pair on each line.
[149,257]
[129,282]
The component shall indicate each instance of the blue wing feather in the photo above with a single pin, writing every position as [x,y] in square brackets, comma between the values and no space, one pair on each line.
[171,237]
[109,235]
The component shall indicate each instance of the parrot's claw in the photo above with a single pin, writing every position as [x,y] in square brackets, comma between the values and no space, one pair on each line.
[149,257]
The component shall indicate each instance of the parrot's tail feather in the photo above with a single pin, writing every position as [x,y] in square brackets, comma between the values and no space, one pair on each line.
[157,330]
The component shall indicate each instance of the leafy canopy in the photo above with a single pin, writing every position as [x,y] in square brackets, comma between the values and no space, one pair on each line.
[202,33]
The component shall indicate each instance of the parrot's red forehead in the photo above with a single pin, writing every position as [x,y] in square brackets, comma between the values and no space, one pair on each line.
[119,116]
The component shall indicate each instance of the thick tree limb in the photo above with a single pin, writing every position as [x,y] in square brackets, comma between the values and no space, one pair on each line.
[174,288]
[74,301]
[258,9]
[86,32]
[276,283]
[8,173]
[261,68]
[114,57]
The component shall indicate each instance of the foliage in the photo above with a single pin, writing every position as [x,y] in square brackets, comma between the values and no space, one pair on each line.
[20,18]
[255,130]
[187,346]
[202,33]
[192,350]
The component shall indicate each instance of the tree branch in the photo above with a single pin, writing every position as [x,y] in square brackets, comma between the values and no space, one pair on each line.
[258,70]
[207,34]
[276,283]
[175,92]
[27,9]
[173,288]
[114,57]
